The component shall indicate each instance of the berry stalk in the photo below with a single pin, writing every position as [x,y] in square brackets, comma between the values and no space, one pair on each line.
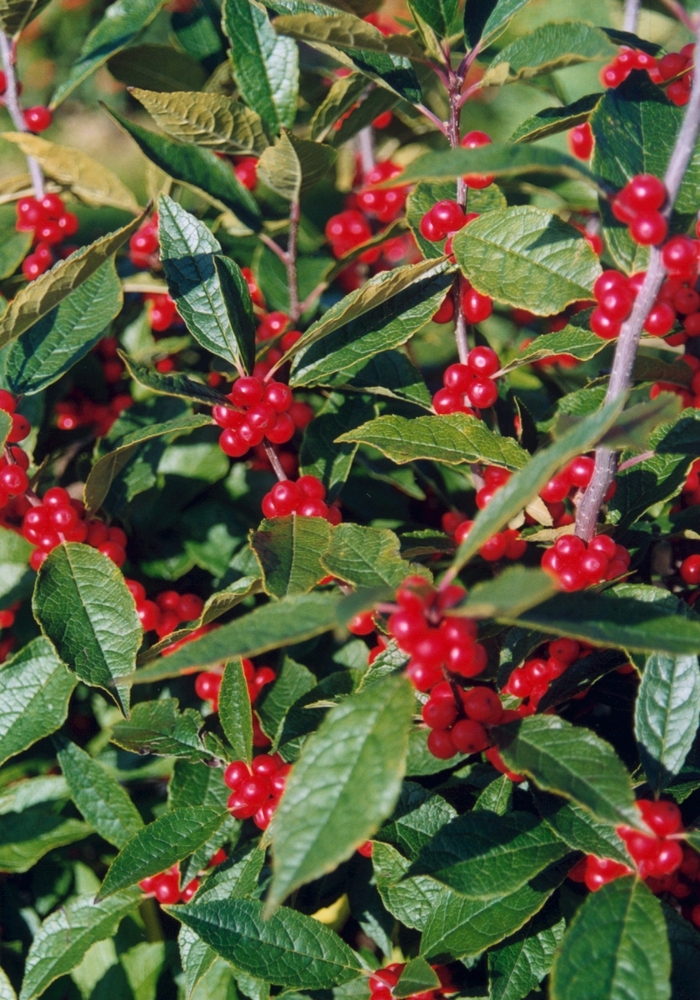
[15,112]
[631,332]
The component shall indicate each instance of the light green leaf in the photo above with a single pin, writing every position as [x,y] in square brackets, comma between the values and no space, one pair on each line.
[550,121]
[634,961]
[84,607]
[571,761]
[289,550]
[550,47]
[574,340]
[67,934]
[294,165]
[234,711]
[265,66]
[98,796]
[512,592]
[15,247]
[6,989]
[15,576]
[666,715]
[35,688]
[345,783]
[121,23]
[157,727]
[365,557]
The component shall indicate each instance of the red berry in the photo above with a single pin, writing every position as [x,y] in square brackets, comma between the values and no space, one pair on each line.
[440,744]
[494,549]
[690,569]
[167,889]
[580,471]
[649,228]
[580,140]
[207,685]
[235,774]
[483,705]
[246,170]
[660,320]
[644,193]
[362,623]
[603,325]
[37,119]
[475,306]
[439,713]
[448,216]
[663,817]
[483,392]
[469,736]
[680,256]
[247,391]
[483,361]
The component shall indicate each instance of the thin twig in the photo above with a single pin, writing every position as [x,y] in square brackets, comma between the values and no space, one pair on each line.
[460,321]
[275,247]
[312,296]
[274,461]
[12,104]
[432,117]
[686,19]
[365,147]
[630,335]
[631,15]
[291,261]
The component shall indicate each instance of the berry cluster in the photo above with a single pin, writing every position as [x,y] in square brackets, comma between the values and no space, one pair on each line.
[531,681]
[638,205]
[460,728]
[503,545]
[384,204]
[576,565]
[166,887]
[383,981]
[77,410]
[671,66]
[162,311]
[471,384]
[259,411]
[59,518]
[167,611]
[443,220]
[347,230]
[256,790]
[144,246]
[50,224]
[305,497]
[208,684]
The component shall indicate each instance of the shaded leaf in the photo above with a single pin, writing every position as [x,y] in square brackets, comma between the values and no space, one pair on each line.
[388,374]
[159,68]
[410,900]
[512,592]
[15,247]
[520,964]
[439,14]
[484,20]
[157,727]
[417,977]
[550,121]
[548,48]
[365,557]
[171,385]
[16,579]
[289,551]
[579,829]
[15,14]
[235,712]
[293,681]
[319,455]
[210,120]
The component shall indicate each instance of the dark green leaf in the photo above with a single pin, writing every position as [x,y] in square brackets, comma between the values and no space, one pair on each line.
[634,961]
[171,385]
[31,824]
[156,847]
[289,551]
[666,715]
[345,783]
[387,374]
[320,456]
[418,816]
[439,14]
[265,66]
[234,711]
[417,977]
[580,830]
[84,607]
[410,900]
[98,796]
[210,120]
[58,341]
[511,593]
[159,68]
[571,761]
[308,711]
[484,20]
[288,948]
[119,26]
[520,964]
[293,681]
[157,727]
[365,557]
[581,675]
[550,121]
[15,14]
[35,688]
[548,48]
[684,942]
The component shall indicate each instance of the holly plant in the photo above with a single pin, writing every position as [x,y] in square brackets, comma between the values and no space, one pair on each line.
[349,500]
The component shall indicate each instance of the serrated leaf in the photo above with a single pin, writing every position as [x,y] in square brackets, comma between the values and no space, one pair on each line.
[571,761]
[279,623]
[418,816]
[199,168]
[550,47]
[108,467]
[294,165]
[16,579]
[84,607]
[634,961]
[579,829]
[159,68]
[454,439]
[666,715]
[210,120]
[121,23]
[289,550]
[265,66]
[294,680]
[365,557]
[550,121]
[425,194]
[60,339]
[319,455]
[439,14]
[35,688]
[482,855]
[345,783]
[171,385]
[15,14]
[66,935]
[162,843]
[388,374]
[40,296]
[209,291]
[235,712]
[417,977]
[524,485]
[460,927]
[383,314]
[410,900]
[574,340]
[484,20]
[341,98]
[512,592]
[520,964]
[157,727]
[526,256]
[88,179]
[15,247]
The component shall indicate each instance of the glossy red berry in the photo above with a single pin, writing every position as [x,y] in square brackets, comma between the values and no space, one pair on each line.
[663,817]
[475,306]
[649,228]
[37,119]
[690,569]
[469,736]
[580,140]
[483,361]
[644,193]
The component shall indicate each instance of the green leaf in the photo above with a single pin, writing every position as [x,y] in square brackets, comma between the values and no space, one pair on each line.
[171,385]
[294,165]
[345,783]
[213,300]
[16,579]
[522,487]
[15,247]
[666,715]
[35,688]
[6,989]
[159,68]
[98,796]
[88,179]
[684,942]
[34,300]
[52,346]
[340,100]
[461,928]
[162,843]
[265,66]
[574,340]
[289,550]
[15,14]
[31,824]
[279,623]
[485,20]
[383,314]
[84,607]
[521,963]
[635,128]
[454,439]
[548,48]
[529,257]
[410,900]
[107,468]
[620,622]
[418,816]
[210,120]
[199,168]
[512,592]
[320,456]
[482,855]
[550,121]
[571,761]
[582,674]
[500,159]
[121,23]
[580,830]
[288,948]
[388,374]
[157,727]
[64,938]
[234,711]
[439,14]
[293,681]
[417,977]
[634,961]
[365,557]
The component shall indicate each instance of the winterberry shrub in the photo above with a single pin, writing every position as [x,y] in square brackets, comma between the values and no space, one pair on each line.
[349,500]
